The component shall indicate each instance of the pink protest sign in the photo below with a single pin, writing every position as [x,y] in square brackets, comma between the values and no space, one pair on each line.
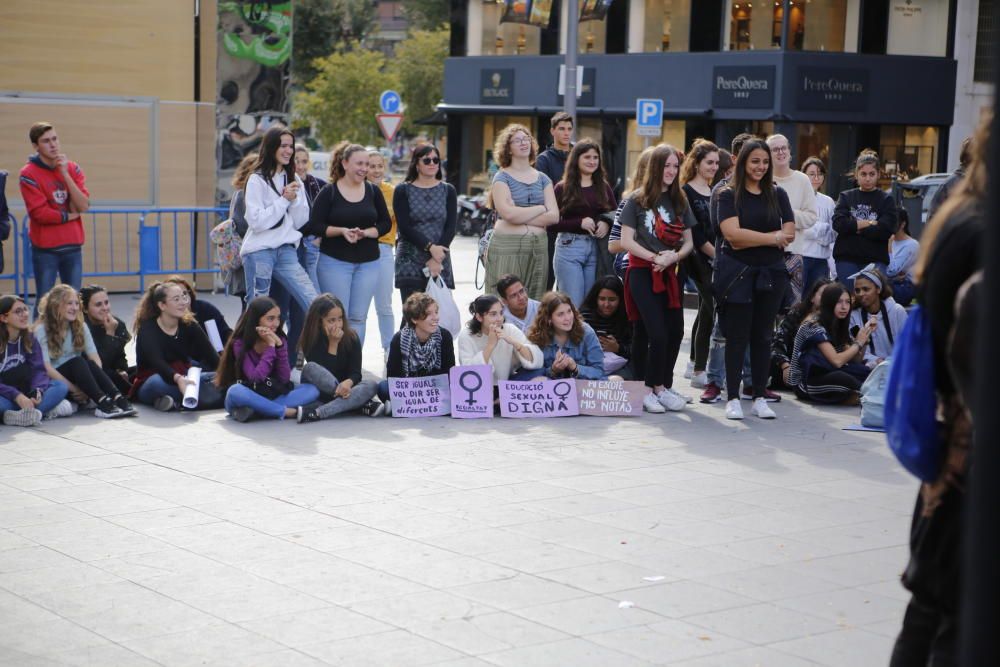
[545,398]
[471,392]
[604,398]
[420,397]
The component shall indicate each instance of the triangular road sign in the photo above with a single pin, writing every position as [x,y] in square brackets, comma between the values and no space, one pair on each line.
[389,123]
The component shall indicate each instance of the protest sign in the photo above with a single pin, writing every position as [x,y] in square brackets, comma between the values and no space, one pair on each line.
[472,392]
[420,397]
[545,398]
[605,398]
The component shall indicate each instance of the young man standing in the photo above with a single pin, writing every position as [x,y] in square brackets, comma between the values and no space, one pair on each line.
[552,163]
[518,308]
[803,199]
[55,194]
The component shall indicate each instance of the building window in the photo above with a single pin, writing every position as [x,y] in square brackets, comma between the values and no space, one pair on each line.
[983,69]
[814,25]
[908,151]
[666,25]
[673,134]
[507,38]
[918,28]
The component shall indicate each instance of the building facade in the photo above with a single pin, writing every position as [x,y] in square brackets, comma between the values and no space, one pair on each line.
[836,77]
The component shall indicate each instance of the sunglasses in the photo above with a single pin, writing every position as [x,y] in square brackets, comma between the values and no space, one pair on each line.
[431,160]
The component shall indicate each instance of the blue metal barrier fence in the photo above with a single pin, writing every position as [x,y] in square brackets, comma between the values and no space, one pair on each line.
[134,242]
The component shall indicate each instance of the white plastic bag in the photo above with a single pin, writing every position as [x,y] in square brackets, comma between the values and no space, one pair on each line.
[451,319]
[873,396]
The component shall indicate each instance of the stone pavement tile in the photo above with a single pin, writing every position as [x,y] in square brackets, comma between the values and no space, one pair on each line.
[844,647]
[350,536]
[14,474]
[486,633]
[454,571]
[678,599]
[576,652]
[27,583]
[97,462]
[505,516]
[517,592]
[9,540]
[49,637]
[666,642]
[422,526]
[484,540]
[854,488]
[892,589]
[554,530]
[856,569]
[220,641]
[772,550]
[399,552]
[691,563]
[606,577]
[12,499]
[102,656]
[406,486]
[148,616]
[464,662]
[366,513]
[255,601]
[152,521]
[354,583]
[21,610]
[758,656]
[316,625]
[860,536]
[168,562]
[889,628]
[469,477]
[848,607]
[587,616]
[649,494]
[407,611]
[702,533]
[20,559]
[542,557]
[763,623]
[526,491]
[129,502]
[286,658]
[599,482]
[621,545]
[577,505]
[396,647]
[93,540]
[768,583]
[37,514]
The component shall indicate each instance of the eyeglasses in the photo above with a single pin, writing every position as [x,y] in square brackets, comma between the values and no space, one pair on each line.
[20,310]
[780,149]
[521,140]
[180,298]
[431,160]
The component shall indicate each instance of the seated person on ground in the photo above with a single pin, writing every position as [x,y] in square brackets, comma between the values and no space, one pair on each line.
[604,310]
[903,253]
[27,394]
[873,302]
[204,311]
[518,309]
[487,339]
[110,335]
[421,347]
[784,337]
[569,346]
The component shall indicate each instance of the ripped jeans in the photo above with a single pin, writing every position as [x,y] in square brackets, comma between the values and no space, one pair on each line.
[280,264]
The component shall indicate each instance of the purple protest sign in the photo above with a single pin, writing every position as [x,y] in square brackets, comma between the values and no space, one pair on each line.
[545,398]
[605,398]
[471,392]
[420,397]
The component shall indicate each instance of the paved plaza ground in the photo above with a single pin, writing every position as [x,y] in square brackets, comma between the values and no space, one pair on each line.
[677,539]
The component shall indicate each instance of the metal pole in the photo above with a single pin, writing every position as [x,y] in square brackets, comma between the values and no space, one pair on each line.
[786,9]
[572,25]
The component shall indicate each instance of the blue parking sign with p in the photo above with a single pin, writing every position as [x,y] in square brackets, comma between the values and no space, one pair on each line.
[649,115]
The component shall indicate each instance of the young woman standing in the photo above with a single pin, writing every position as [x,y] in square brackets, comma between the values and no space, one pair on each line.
[426,211]
[26,392]
[525,203]
[656,232]
[750,278]
[309,247]
[697,175]
[386,254]
[583,195]
[817,244]
[865,219]
[350,215]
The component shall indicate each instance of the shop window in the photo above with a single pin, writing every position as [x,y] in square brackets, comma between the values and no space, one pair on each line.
[814,25]
[985,43]
[908,151]
[673,134]
[918,28]
[811,140]
[666,25]
[755,25]
[482,136]
[507,38]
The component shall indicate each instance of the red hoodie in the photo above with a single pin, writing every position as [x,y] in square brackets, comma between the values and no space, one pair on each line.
[47,199]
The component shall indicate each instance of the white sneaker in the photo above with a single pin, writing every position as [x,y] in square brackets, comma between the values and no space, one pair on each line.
[686,399]
[671,401]
[22,417]
[650,403]
[699,380]
[689,371]
[63,409]
[734,410]
[762,410]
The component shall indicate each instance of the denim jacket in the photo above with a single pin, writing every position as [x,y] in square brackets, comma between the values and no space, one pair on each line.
[587,354]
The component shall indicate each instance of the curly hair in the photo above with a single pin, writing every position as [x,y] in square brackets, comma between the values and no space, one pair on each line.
[149,306]
[541,331]
[416,307]
[700,149]
[501,149]
[571,193]
[55,326]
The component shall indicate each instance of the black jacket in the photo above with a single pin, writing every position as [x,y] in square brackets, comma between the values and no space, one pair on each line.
[552,163]
[872,243]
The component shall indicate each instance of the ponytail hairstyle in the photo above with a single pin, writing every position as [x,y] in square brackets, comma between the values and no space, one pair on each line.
[7,303]
[313,331]
[267,164]
[341,153]
[149,307]
[230,368]
[480,306]
[56,328]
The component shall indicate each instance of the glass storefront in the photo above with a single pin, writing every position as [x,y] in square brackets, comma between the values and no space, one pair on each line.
[918,28]
[813,25]
[666,26]
[673,134]
[908,151]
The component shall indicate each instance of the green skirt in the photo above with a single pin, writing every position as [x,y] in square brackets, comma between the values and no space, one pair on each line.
[524,255]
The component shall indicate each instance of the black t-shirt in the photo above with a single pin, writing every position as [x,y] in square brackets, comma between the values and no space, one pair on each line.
[702,233]
[155,349]
[345,365]
[754,214]
[330,209]
[111,349]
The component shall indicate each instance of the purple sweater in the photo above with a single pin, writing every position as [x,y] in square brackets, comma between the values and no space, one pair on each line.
[272,363]
[15,355]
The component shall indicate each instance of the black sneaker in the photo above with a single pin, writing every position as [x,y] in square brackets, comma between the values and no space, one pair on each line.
[242,413]
[307,413]
[106,409]
[373,408]
[127,408]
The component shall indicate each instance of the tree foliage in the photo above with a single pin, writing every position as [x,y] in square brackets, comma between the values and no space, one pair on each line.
[321,27]
[341,101]
[418,65]
[427,14]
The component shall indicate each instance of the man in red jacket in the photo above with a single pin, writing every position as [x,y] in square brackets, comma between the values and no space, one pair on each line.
[55,195]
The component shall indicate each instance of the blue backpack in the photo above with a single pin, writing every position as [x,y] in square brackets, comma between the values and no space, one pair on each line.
[911,401]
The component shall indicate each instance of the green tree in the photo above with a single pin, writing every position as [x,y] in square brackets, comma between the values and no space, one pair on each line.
[427,14]
[341,101]
[321,27]
[418,64]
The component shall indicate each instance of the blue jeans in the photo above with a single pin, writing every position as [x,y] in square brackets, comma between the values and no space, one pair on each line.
[282,265]
[813,270]
[209,396]
[847,268]
[240,395]
[295,318]
[575,265]
[383,294]
[51,397]
[308,253]
[66,263]
[354,284]
[716,370]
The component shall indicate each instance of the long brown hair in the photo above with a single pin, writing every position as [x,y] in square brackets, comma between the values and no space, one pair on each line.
[541,332]
[641,166]
[571,192]
[245,170]
[267,163]
[970,191]
[700,149]
[149,308]
[7,304]
[55,326]
[230,369]
[648,194]
[739,182]
[342,151]
[312,330]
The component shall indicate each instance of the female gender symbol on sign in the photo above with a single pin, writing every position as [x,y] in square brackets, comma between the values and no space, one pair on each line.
[479,384]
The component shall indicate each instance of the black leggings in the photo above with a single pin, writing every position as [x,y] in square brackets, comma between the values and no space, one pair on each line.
[831,387]
[89,378]
[751,324]
[701,334]
[664,328]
